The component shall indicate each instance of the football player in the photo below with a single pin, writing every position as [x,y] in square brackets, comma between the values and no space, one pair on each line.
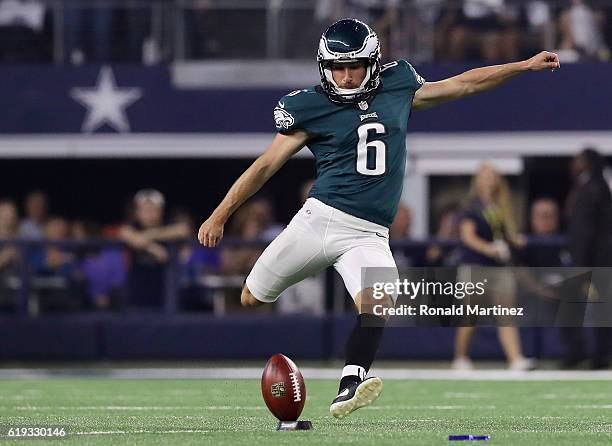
[354,123]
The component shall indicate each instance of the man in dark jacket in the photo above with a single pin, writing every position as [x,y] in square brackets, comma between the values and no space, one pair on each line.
[589,214]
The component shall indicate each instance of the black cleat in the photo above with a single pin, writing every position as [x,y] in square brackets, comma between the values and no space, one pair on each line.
[356,396]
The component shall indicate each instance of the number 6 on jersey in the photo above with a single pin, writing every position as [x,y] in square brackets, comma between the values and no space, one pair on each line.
[380,150]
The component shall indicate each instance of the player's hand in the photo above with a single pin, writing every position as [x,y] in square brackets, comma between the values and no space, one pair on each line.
[211,232]
[544,60]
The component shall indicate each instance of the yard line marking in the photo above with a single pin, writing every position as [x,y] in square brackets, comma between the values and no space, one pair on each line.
[438,407]
[575,396]
[136,408]
[590,406]
[226,373]
[204,408]
[138,432]
[469,395]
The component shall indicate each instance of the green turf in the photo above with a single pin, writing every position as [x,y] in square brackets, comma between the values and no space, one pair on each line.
[232,412]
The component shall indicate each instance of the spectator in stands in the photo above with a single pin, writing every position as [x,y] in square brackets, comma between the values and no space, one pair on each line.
[9,255]
[58,280]
[581,33]
[544,217]
[545,222]
[103,268]
[589,215]
[57,260]
[88,31]
[384,14]
[194,258]
[203,31]
[22,32]
[249,224]
[400,230]
[544,255]
[195,261]
[448,229]
[262,212]
[402,224]
[146,236]
[487,230]
[36,206]
[489,27]
[537,25]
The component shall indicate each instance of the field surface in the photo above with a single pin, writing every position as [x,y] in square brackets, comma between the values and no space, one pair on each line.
[231,412]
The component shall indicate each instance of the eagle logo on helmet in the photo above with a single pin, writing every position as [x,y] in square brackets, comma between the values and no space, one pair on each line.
[283,118]
[349,40]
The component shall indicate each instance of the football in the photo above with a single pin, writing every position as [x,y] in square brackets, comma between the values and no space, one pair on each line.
[283,389]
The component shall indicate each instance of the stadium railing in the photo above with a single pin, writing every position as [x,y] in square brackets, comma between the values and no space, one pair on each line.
[24,282]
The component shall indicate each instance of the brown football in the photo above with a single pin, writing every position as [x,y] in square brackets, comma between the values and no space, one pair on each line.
[283,389]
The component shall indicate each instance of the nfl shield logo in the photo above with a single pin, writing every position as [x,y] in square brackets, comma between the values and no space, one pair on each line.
[363,105]
[278,389]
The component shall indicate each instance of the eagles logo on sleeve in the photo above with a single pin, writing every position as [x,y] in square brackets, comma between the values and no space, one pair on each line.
[282,117]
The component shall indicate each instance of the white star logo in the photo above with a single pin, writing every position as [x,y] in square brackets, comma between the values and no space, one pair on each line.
[106,103]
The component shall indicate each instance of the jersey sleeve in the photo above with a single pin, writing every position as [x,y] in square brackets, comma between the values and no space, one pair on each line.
[401,76]
[290,113]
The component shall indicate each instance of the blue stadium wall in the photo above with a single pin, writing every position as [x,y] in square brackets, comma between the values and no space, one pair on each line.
[248,337]
[39,101]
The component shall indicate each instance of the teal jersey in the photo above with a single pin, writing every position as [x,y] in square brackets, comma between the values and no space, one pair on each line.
[359,149]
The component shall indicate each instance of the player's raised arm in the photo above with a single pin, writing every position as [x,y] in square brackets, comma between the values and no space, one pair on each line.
[277,154]
[479,80]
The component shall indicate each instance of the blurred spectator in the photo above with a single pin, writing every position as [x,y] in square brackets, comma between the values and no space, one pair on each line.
[308,296]
[249,223]
[329,11]
[57,260]
[400,230]
[261,211]
[58,281]
[544,217]
[88,31]
[33,225]
[448,229]
[194,261]
[202,31]
[485,30]
[22,32]
[104,269]
[9,255]
[539,283]
[145,236]
[537,27]
[487,229]
[402,224]
[255,221]
[589,214]
[544,222]
[581,34]
[382,16]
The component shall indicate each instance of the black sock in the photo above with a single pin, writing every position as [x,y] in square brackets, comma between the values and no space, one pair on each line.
[361,347]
